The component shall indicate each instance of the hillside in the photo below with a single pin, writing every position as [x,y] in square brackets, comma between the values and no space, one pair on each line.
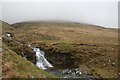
[15,66]
[92,49]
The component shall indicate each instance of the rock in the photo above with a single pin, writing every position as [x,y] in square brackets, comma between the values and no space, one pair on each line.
[73,74]
[118,73]
[104,64]
[29,45]
[32,77]
[65,77]
[109,60]
[0,38]
[80,73]
[113,64]
[9,35]
[76,69]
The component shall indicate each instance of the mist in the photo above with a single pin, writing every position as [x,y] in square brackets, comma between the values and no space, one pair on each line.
[97,13]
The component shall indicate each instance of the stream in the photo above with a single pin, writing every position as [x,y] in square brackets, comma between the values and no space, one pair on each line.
[44,64]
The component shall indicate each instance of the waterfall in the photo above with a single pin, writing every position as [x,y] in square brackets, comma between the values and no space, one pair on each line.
[41,60]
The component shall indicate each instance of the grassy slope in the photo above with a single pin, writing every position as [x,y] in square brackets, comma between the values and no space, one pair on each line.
[14,66]
[93,45]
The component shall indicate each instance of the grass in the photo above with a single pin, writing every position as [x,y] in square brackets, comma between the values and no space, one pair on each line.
[20,67]
[86,43]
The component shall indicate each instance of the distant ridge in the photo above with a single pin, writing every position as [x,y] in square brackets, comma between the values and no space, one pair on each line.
[21,24]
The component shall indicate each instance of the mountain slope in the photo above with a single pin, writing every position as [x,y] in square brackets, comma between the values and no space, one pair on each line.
[91,48]
[14,65]
[6,27]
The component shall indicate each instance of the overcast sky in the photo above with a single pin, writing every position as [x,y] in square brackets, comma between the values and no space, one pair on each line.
[99,13]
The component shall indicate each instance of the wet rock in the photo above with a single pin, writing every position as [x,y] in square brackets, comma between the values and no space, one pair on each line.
[71,73]
[118,73]
[80,73]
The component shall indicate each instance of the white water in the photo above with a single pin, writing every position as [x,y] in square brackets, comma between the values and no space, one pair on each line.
[41,60]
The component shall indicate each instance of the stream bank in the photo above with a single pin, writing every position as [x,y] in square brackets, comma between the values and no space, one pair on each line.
[65,64]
